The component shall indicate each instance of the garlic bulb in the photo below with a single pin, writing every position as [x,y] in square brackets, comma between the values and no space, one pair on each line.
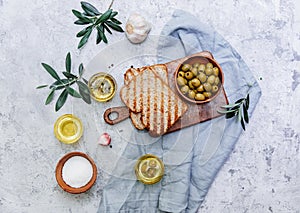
[137,28]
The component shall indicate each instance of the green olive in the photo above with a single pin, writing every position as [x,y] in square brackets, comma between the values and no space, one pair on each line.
[194,71]
[188,75]
[191,94]
[144,168]
[207,94]
[185,81]
[208,71]
[202,77]
[199,97]
[209,65]
[180,81]
[200,88]
[201,68]
[181,74]
[152,163]
[211,79]
[207,87]
[195,82]
[186,67]
[215,89]
[184,89]
[216,71]
[191,85]
[196,65]
[217,81]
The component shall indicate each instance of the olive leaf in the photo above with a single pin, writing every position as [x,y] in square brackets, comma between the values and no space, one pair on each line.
[243,124]
[61,100]
[246,117]
[73,92]
[104,17]
[84,31]
[239,109]
[230,114]
[69,75]
[106,28]
[85,81]
[65,84]
[247,102]
[80,70]
[41,86]
[89,9]
[81,22]
[101,34]
[68,62]
[90,16]
[114,26]
[51,71]
[50,97]
[84,91]
[85,38]
[82,17]
[77,14]
[239,117]
[116,21]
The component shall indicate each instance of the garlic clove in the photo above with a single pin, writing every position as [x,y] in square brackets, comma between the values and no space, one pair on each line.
[104,139]
[137,28]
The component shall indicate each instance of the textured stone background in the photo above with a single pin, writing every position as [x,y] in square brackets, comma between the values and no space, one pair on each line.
[261,175]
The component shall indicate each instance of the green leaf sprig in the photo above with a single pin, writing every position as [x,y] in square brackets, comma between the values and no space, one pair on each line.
[95,20]
[65,84]
[239,109]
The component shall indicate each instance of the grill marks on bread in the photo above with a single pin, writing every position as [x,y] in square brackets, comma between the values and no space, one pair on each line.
[160,108]
[161,71]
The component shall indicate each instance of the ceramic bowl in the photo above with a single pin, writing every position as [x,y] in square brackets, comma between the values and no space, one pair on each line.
[207,58]
[61,181]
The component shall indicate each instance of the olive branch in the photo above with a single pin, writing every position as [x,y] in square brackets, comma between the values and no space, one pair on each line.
[95,20]
[65,84]
[239,109]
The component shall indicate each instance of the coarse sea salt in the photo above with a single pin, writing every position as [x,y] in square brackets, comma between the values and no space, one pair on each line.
[77,171]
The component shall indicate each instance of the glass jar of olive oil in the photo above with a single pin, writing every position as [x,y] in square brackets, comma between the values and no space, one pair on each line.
[149,169]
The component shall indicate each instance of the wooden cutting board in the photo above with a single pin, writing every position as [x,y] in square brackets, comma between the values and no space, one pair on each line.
[195,114]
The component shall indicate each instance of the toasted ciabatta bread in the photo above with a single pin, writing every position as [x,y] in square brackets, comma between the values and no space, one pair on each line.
[148,94]
[161,71]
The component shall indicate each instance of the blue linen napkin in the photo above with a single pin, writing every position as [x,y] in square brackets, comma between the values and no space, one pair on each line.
[194,155]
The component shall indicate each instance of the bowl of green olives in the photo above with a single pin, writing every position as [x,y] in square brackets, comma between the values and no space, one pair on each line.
[199,79]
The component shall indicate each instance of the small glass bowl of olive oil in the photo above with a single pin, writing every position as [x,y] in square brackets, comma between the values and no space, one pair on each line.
[68,129]
[102,87]
[149,169]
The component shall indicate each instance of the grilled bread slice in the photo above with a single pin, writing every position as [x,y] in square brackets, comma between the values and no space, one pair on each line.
[146,93]
[130,73]
[161,71]
[136,119]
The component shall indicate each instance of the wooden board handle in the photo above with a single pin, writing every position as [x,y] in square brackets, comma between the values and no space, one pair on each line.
[121,112]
